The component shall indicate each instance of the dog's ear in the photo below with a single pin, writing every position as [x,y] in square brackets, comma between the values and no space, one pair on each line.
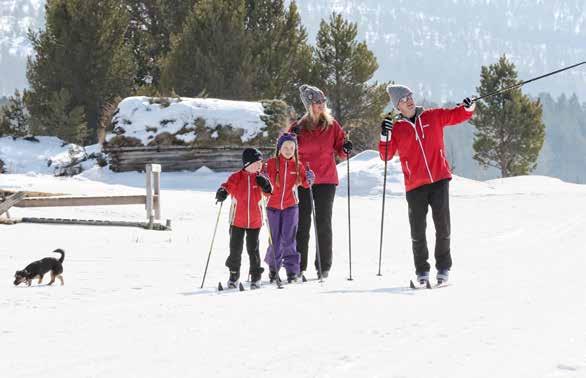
[17,273]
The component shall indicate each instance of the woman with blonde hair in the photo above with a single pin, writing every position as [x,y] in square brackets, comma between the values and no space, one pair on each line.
[320,139]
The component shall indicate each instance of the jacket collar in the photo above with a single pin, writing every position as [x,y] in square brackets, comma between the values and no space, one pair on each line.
[418,111]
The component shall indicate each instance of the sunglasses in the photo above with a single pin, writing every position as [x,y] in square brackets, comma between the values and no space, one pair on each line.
[406,98]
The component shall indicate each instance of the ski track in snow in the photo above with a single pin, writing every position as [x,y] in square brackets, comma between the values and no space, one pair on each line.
[131,305]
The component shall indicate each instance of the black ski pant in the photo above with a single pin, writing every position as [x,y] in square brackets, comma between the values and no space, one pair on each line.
[323,196]
[436,196]
[252,247]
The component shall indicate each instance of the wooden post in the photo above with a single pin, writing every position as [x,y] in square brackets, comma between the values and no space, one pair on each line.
[157,190]
[149,193]
[3,198]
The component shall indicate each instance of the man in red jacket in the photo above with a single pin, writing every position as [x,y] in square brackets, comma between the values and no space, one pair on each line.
[417,134]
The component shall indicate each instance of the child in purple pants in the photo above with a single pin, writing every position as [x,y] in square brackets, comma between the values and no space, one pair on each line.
[286,174]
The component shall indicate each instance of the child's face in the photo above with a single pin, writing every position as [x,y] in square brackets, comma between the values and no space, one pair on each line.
[288,149]
[254,167]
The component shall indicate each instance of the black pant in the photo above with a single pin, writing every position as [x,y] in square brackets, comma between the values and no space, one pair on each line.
[435,195]
[236,245]
[323,195]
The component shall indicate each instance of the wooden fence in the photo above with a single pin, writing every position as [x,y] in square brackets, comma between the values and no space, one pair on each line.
[151,201]
[178,158]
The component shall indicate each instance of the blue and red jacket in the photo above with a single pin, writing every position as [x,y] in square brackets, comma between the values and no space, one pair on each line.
[420,144]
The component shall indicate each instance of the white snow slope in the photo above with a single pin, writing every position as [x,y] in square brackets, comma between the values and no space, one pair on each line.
[132,307]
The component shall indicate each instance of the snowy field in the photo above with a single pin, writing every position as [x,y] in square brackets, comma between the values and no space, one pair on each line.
[131,305]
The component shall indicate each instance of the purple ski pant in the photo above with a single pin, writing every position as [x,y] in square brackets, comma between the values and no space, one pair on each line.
[283,249]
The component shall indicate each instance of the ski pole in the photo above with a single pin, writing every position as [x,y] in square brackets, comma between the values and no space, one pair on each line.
[277,278]
[212,245]
[317,251]
[526,81]
[382,218]
[349,227]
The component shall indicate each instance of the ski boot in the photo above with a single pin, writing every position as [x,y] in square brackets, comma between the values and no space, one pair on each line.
[442,277]
[324,274]
[233,281]
[255,279]
[302,276]
[274,277]
[292,277]
[422,281]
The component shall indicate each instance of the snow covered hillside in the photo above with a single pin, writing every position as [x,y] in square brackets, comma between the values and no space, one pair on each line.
[437,48]
[131,305]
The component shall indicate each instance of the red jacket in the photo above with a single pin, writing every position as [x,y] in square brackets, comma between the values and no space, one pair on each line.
[318,147]
[285,191]
[421,145]
[246,209]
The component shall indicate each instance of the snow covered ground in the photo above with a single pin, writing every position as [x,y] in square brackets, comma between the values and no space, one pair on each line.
[131,305]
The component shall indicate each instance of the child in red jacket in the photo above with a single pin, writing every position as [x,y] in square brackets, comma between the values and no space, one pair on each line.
[246,188]
[285,171]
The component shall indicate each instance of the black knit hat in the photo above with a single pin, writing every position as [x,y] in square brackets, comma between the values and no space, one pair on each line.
[251,155]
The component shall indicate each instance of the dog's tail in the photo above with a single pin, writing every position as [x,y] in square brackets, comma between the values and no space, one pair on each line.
[62,252]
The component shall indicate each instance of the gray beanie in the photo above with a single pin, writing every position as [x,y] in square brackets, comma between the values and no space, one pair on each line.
[397,92]
[310,95]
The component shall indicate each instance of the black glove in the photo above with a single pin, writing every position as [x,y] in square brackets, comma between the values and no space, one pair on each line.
[467,102]
[221,195]
[264,184]
[347,146]
[386,126]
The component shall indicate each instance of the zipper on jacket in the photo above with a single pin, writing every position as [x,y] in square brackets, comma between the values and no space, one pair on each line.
[248,207]
[284,184]
[421,146]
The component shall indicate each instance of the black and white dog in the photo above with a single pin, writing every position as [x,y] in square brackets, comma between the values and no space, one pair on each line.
[39,268]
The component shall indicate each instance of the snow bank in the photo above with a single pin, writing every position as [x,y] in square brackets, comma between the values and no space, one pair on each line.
[22,156]
[47,156]
[367,175]
[140,118]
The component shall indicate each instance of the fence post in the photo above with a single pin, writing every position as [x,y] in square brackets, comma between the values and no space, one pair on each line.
[157,190]
[149,194]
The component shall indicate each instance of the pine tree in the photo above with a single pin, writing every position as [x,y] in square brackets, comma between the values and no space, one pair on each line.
[65,121]
[510,131]
[152,24]
[14,117]
[83,51]
[212,53]
[344,67]
[282,56]
[240,49]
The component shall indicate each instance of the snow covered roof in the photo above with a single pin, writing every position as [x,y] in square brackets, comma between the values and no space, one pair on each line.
[145,117]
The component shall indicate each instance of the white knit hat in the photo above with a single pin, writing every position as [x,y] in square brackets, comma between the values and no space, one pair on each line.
[397,92]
